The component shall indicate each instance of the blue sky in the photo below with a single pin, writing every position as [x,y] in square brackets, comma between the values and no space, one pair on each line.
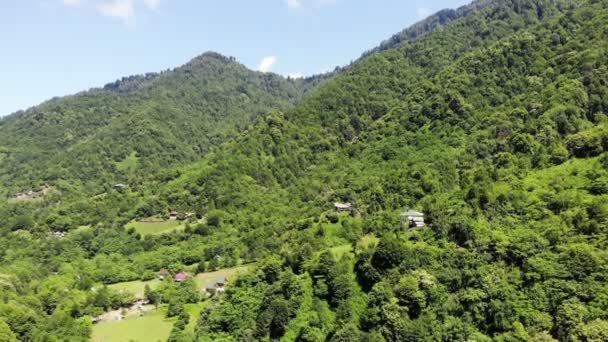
[59,47]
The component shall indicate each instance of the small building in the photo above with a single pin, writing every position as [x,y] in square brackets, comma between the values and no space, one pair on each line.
[163,274]
[414,219]
[343,206]
[188,215]
[210,289]
[181,276]
[119,186]
[173,215]
[27,195]
[220,284]
[59,234]
[218,287]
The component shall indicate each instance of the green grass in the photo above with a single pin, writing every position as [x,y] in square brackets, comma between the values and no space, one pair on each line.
[135,287]
[194,310]
[339,251]
[202,279]
[367,241]
[129,163]
[207,278]
[569,175]
[150,328]
[148,228]
[153,326]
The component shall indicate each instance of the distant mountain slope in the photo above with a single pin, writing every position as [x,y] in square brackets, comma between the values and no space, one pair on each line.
[138,125]
[481,126]
[526,10]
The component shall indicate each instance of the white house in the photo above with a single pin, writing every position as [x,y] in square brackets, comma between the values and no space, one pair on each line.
[415,219]
[342,206]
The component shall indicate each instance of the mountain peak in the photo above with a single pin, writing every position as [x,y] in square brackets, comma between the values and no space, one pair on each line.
[210,56]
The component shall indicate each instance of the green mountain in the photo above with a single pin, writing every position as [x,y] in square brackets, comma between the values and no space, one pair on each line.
[492,123]
[139,125]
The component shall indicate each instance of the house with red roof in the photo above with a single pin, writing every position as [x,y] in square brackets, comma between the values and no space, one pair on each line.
[181,276]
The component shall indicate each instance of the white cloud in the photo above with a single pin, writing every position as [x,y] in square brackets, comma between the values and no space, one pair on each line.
[294,4]
[123,10]
[423,12]
[267,63]
[152,4]
[72,3]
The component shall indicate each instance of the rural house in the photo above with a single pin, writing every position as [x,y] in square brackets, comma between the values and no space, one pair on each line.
[342,206]
[414,219]
[163,274]
[173,215]
[181,276]
[218,287]
[26,195]
[220,284]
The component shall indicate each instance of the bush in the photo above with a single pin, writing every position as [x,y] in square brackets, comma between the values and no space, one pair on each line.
[589,143]
[176,308]
[333,217]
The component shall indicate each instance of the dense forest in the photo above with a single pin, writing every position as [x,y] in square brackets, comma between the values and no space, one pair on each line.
[491,120]
[137,126]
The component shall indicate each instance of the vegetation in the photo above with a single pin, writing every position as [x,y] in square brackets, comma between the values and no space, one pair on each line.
[133,132]
[493,124]
[153,326]
[155,227]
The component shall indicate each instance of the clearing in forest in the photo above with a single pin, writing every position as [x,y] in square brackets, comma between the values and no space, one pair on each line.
[159,226]
[151,327]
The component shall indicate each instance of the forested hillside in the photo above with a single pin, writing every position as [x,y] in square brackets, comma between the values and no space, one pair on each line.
[137,126]
[493,124]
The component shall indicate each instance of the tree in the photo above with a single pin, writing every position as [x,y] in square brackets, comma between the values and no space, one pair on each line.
[279,311]
[176,307]
[201,267]
[184,317]
[152,296]
[272,268]
[310,334]
[596,330]
[389,253]
[177,334]
[570,316]
[347,333]
[409,295]
[6,334]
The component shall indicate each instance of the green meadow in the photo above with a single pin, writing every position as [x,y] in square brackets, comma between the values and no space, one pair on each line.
[152,327]
[156,227]
[202,279]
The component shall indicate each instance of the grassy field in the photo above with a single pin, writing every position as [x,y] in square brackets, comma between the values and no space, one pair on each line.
[135,287]
[150,328]
[156,227]
[154,326]
[194,310]
[202,279]
[208,278]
